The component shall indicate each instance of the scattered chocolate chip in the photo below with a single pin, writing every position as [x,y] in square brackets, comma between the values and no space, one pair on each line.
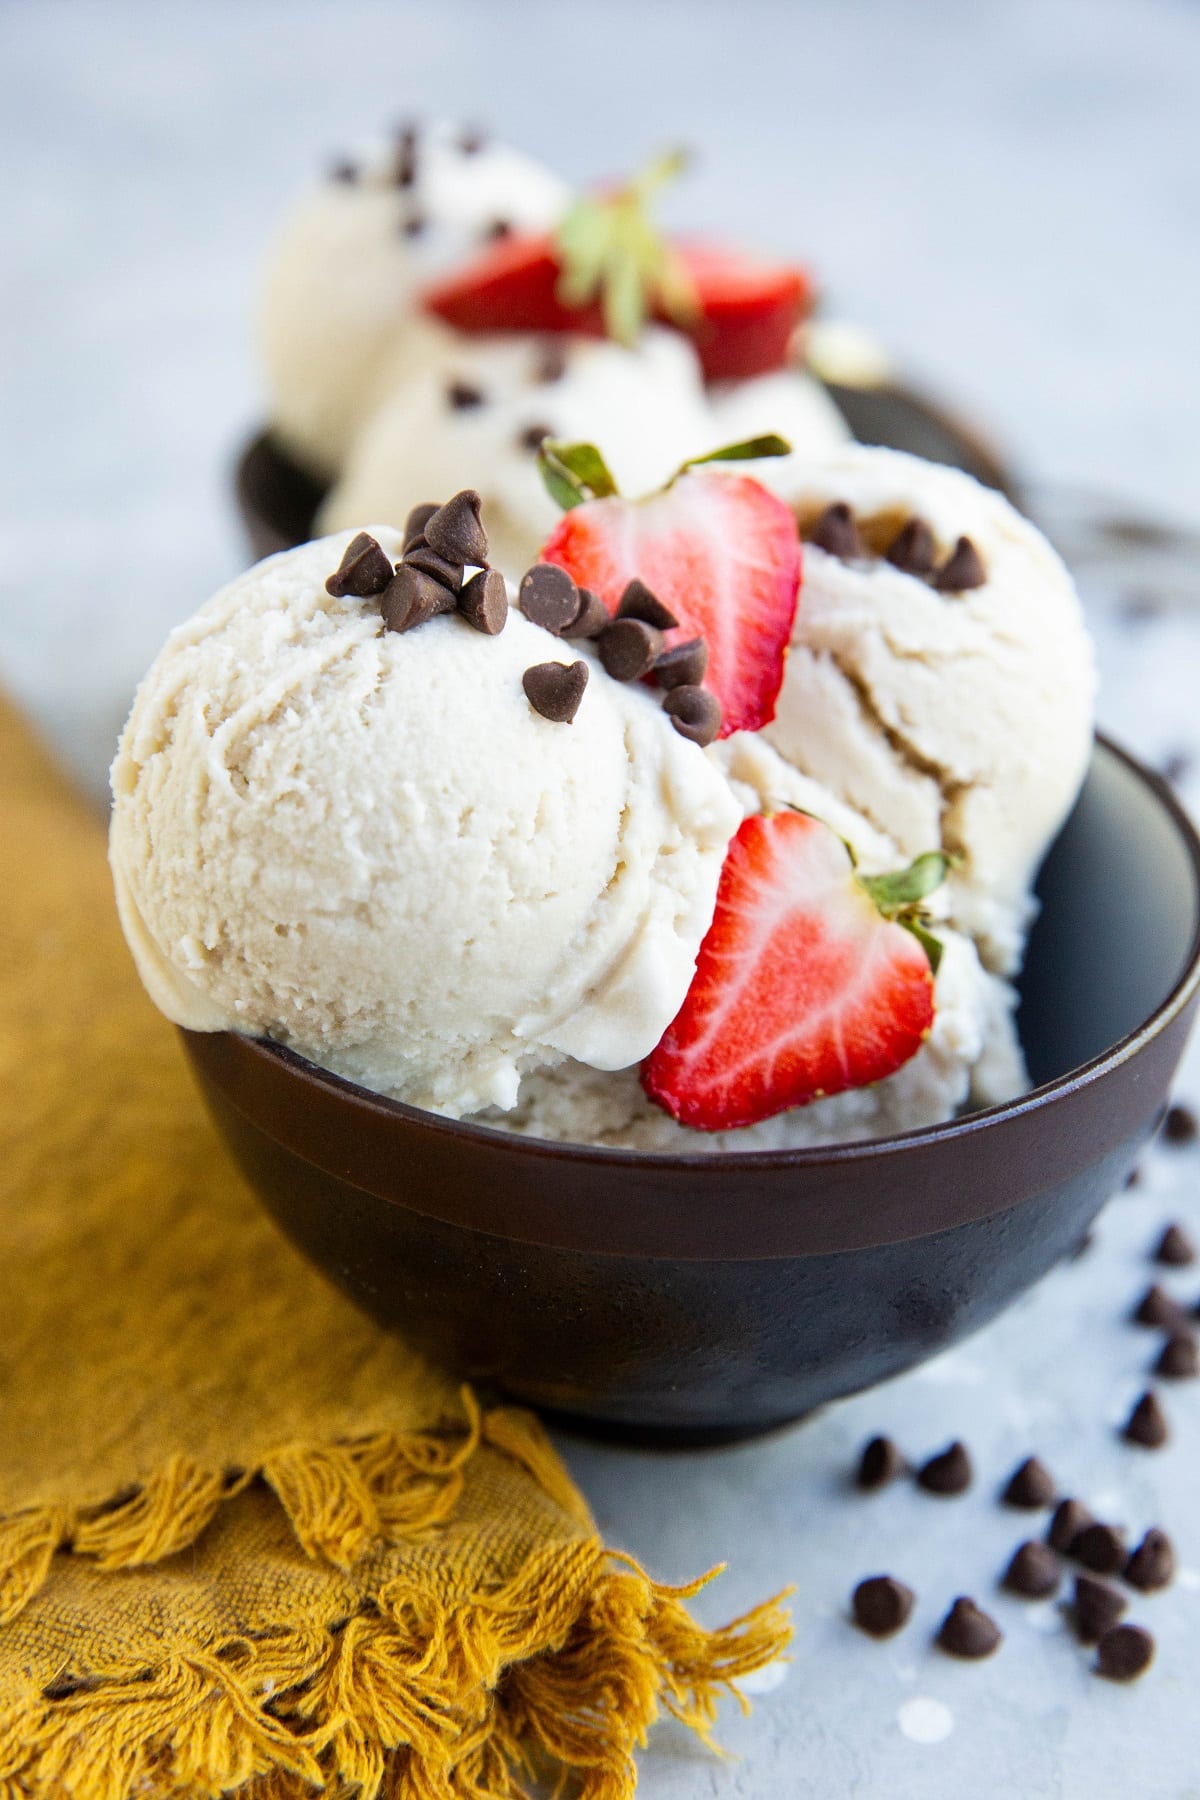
[1141,608]
[364,570]
[1034,1571]
[1082,1247]
[1030,1486]
[549,597]
[628,648]
[947,1473]
[471,141]
[1156,1307]
[1096,1608]
[695,713]
[882,1605]
[683,665]
[1152,1564]
[418,518]
[880,1463]
[1179,1126]
[1133,1179]
[404,168]
[1070,1517]
[455,532]
[836,533]
[483,602]
[1124,1653]
[637,602]
[963,569]
[551,361]
[1100,1548]
[913,549]
[591,618]
[464,396]
[413,225]
[420,556]
[1147,1424]
[967,1631]
[344,171]
[1179,1358]
[1175,1248]
[532,437]
[498,230]
[1177,767]
[412,597]
[555,689]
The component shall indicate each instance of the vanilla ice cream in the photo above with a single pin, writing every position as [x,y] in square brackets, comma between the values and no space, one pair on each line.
[368,845]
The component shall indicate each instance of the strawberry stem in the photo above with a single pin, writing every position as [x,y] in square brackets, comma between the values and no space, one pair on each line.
[574,473]
[611,250]
[748,450]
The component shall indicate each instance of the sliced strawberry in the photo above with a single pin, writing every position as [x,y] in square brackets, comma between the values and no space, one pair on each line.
[722,553]
[511,286]
[802,987]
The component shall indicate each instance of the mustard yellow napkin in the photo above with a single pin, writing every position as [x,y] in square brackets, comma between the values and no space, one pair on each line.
[247,1540]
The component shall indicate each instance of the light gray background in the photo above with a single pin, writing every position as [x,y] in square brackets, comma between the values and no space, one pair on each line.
[1009,194]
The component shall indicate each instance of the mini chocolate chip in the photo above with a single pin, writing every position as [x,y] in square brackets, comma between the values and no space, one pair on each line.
[551,361]
[344,171]
[483,602]
[628,648]
[1179,1126]
[555,689]
[1096,1608]
[836,533]
[592,617]
[1177,767]
[1179,1358]
[412,597]
[471,141]
[637,602]
[1083,1245]
[418,518]
[947,1473]
[455,532]
[414,225]
[1133,1179]
[1124,1653]
[422,557]
[463,396]
[683,665]
[364,570]
[1070,1517]
[963,569]
[881,1605]
[1034,1571]
[404,168]
[913,549]
[968,1631]
[498,230]
[1100,1548]
[1156,1307]
[1175,1248]
[549,597]
[880,1463]
[695,713]
[1030,1486]
[532,437]
[1147,1424]
[1152,1564]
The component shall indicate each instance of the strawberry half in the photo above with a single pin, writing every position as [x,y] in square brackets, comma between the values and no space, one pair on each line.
[512,286]
[723,553]
[748,310]
[804,986]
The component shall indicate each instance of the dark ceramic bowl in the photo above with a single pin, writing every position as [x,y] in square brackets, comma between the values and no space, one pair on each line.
[705,1297]
[278,501]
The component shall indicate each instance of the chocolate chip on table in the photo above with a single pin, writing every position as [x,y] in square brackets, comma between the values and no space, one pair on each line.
[947,1473]
[1070,1518]
[880,1462]
[629,648]
[1100,1548]
[637,602]
[1034,1571]
[1096,1608]
[418,518]
[1179,1358]
[450,574]
[1175,1248]
[555,689]
[1156,1307]
[455,532]
[1124,1653]
[413,224]
[1147,1424]
[968,1631]
[592,617]
[1179,1126]
[881,1605]
[964,568]
[549,597]
[1152,1564]
[532,437]
[913,550]
[551,361]
[836,533]
[695,713]
[483,602]
[1030,1486]
[464,396]
[1133,1179]
[683,665]
[412,597]
[364,570]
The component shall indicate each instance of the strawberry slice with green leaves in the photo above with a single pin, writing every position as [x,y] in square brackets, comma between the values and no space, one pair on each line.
[812,979]
[719,550]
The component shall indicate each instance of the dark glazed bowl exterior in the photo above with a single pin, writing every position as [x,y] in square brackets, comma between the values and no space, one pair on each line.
[694,1298]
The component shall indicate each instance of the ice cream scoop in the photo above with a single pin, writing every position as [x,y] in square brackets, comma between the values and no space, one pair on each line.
[370,845]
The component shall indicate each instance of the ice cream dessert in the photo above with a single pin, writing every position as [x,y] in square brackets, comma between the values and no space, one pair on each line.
[560,853]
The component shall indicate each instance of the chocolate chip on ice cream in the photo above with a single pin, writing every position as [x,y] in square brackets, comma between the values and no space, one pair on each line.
[694,712]
[483,602]
[555,689]
[913,550]
[455,531]
[963,569]
[638,602]
[629,648]
[683,665]
[363,571]
[836,532]
[549,597]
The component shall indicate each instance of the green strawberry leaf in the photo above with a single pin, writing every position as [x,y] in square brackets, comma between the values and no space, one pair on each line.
[908,887]
[931,945]
[573,473]
[749,450]
[611,251]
